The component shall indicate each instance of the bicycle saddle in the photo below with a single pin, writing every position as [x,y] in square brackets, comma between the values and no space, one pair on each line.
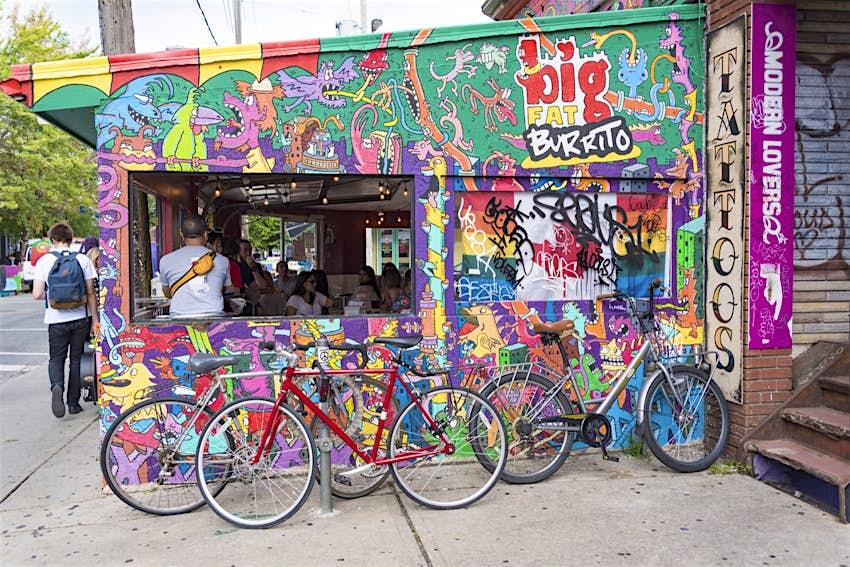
[562,327]
[201,363]
[400,342]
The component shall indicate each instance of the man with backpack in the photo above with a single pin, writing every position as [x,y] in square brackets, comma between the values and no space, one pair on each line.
[65,280]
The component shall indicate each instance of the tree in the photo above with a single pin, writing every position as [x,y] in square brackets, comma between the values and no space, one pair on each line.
[264,232]
[45,174]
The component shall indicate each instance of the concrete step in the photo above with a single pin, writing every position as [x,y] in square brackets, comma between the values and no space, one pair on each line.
[836,392]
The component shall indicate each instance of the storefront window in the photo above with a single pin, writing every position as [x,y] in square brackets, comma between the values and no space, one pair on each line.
[331,224]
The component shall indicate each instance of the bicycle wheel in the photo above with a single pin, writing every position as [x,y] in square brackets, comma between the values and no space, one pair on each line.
[534,452]
[688,437]
[345,408]
[343,458]
[448,480]
[262,494]
[148,457]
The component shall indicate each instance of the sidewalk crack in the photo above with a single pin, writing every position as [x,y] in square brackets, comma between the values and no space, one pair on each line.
[410,525]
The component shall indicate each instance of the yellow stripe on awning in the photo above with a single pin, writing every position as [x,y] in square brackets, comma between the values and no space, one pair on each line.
[51,75]
[217,60]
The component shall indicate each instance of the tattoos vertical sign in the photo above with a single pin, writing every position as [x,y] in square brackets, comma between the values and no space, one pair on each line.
[772,178]
[726,90]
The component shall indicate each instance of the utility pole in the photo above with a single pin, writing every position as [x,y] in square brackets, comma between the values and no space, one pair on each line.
[116,26]
[116,37]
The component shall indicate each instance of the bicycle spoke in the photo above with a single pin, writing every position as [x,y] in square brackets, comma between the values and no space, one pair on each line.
[267,492]
[441,480]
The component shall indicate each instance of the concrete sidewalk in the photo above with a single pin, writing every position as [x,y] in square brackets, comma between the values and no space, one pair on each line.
[591,512]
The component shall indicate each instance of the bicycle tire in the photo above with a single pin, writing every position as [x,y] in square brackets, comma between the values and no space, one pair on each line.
[534,453]
[339,385]
[694,444]
[140,436]
[447,481]
[371,393]
[258,495]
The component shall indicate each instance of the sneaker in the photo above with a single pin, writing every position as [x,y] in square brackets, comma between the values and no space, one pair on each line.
[56,403]
[75,409]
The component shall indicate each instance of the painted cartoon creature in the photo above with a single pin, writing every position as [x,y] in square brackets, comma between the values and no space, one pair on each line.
[490,55]
[183,145]
[322,88]
[499,106]
[482,330]
[376,152]
[689,293]
[134,108]
[681,181]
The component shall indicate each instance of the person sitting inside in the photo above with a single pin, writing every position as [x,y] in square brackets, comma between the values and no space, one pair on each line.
[284,283]
[193,276]
[367,290]
[305,300]
[402,302]
[390,286]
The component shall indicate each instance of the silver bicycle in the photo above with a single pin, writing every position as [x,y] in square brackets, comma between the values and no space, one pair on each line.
[681,411]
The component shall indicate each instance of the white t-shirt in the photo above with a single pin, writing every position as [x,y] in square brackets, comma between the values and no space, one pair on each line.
[202,294]
[304,308]
[42,270]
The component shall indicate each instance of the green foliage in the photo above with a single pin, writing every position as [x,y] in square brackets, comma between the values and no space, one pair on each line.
[728,466]
[264,232]
[45,175]
[635,447]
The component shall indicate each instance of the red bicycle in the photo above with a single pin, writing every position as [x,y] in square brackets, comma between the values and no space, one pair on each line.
[264,452]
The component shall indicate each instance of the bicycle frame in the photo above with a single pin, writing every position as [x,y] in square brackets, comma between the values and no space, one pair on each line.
[370,458]
[603,405]
[204,401]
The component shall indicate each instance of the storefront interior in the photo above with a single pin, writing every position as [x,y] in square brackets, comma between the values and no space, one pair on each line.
[334,223]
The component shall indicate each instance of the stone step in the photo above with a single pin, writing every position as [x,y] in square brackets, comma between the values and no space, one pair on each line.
[821,418]
[833,470]
[820,428]
[836,392]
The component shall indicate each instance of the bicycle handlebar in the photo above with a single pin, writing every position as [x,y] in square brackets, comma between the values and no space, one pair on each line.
[291,356]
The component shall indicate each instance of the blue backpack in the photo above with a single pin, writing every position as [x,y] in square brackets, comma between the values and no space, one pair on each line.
[66,285]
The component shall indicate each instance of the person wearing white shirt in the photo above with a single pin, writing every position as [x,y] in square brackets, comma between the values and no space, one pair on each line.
[305,300]
[67,329]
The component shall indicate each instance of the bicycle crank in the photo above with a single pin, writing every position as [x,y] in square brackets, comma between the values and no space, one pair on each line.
[596,432]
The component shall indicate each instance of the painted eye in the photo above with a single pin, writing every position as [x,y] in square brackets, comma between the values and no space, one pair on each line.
[249,100]
[126,146]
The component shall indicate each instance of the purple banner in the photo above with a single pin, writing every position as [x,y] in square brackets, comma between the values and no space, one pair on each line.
[772,175]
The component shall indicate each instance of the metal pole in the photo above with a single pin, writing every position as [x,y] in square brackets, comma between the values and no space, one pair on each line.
[363,17]
[237,20]
[324,441]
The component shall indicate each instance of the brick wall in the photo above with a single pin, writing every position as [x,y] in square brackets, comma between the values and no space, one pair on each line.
[822,203]
[822,174]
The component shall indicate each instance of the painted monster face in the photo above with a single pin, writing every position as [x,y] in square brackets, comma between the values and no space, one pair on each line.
[138,149]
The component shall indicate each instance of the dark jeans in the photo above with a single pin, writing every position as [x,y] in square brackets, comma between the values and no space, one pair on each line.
[63,337]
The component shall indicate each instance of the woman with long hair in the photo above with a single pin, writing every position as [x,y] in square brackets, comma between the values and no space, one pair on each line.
[305,300]
[367,288]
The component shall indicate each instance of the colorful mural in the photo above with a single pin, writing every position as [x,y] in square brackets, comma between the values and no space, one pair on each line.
[562,156]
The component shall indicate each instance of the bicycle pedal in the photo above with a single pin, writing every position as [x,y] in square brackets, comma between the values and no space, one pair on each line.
[611,458]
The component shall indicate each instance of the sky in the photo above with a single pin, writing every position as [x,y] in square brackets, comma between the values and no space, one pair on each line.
[161,24]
